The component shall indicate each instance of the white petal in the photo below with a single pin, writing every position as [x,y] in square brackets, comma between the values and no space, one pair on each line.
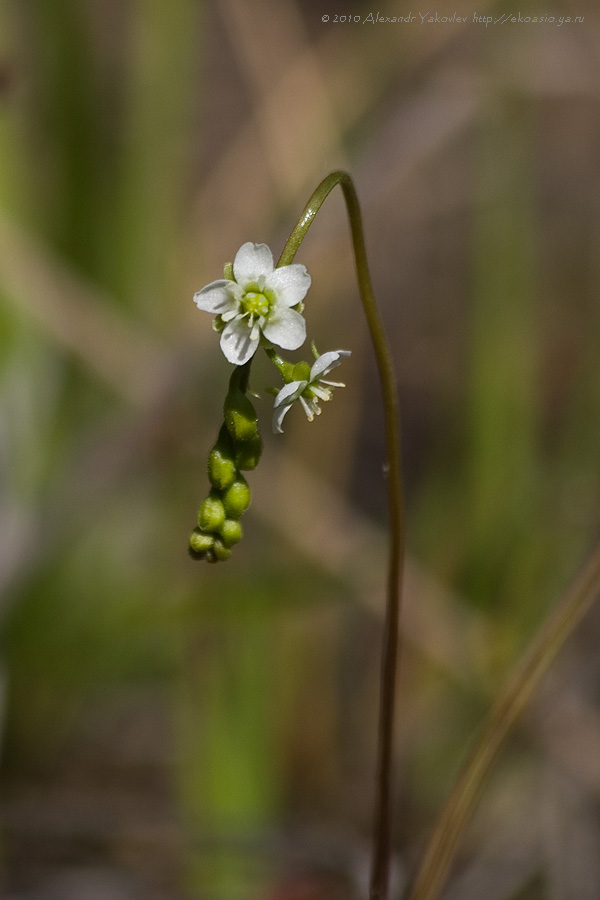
[278,416]
[326,362]
[286,328]
[251,261]
[289,393]
[216,297]
[291,284]
[284,401]
[237,343]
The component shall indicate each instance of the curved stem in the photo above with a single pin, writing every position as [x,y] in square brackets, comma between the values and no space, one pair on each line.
[391,639]
[503,716]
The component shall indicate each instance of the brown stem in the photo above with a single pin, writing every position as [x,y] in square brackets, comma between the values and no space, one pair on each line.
[529,672]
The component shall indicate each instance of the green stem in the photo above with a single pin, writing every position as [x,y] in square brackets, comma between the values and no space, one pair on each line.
[285,368]
[391,640]
[537,660]
[240,377]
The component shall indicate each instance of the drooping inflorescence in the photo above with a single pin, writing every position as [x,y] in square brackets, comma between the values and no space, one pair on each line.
[255,304]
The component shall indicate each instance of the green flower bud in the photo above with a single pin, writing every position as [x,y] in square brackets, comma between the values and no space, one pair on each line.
[231,532]
[240,416]
[199,542]
[247,454]
[222,469]
[195,555]
[212,512]
[220,551]
[236,499]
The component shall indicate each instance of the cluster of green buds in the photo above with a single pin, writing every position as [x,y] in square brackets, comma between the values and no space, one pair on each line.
[237,449]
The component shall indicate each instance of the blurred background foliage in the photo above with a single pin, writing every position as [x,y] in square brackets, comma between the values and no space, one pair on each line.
[174,730]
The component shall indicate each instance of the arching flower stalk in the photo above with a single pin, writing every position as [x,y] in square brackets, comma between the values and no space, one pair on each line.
[259,304]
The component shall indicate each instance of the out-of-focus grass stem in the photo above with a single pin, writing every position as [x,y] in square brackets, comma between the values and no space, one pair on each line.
[502,718]
[504,459]
[156,132]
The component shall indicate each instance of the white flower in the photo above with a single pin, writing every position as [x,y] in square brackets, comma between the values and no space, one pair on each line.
[310,391]
[258,300]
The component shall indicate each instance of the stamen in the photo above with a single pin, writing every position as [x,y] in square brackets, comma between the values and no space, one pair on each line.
[307,409]
[320,392]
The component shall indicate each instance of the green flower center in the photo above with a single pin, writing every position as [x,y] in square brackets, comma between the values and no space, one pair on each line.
[256,303]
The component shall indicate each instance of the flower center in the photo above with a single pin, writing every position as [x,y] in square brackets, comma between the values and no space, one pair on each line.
[256,303]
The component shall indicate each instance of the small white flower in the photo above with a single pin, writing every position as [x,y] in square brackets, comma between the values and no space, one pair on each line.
[310,391]
[259,300]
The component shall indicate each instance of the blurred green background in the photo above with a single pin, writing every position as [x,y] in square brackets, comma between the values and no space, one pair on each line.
[172,730]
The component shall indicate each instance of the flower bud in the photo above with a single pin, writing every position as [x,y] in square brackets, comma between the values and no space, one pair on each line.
[220,551]
[222,469]
[200,543]
[212,512]
[240,416]
[231,532]
[236,499]
[248,453]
